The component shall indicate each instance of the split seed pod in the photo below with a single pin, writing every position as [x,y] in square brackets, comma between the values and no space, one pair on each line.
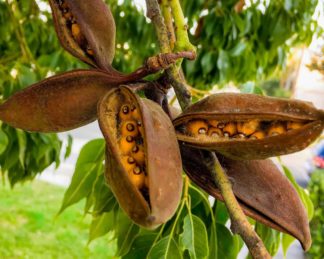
[256,127]
[86,29]
[148,192]
[263,192]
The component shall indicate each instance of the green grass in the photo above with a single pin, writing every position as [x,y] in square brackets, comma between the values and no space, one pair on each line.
[29,228]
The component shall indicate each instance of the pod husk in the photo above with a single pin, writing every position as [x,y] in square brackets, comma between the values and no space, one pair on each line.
[59,103]
[239,107]
[162,156]
[97,25]
[262,191]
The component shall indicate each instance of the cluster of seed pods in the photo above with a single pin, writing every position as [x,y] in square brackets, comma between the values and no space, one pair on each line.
[251,129]
[74,27]
[131,145]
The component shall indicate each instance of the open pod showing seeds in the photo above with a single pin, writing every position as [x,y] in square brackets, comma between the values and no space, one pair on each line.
[86,29]
[262,191]
[247,126]
[143,163]
[58,103]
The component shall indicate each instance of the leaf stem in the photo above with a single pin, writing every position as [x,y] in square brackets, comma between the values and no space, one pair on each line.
[181,27]
[239,222]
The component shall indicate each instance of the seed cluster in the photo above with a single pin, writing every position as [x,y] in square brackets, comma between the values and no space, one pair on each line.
[131,145]
[74,28]
[253,129]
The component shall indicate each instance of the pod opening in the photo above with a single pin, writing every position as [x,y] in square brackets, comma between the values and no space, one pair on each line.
[253,129]
[74,28]
[130,135]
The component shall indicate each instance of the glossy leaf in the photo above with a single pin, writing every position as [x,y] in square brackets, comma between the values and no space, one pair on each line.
[166,248]
[86,171]
[194,236]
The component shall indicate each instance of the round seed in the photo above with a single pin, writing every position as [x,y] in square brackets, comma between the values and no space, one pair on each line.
[291,125]
[258,135]
[197,127]
[126,144]
[230,129]
[276,129]
[138,180]
[214,132]
[130,160]
[213,123]
[127,166]
[139,155]
[137,170]
[248,128]
[128,128]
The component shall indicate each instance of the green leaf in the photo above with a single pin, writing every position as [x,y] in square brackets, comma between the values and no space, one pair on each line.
[88,166]
[228,245]
[166,248]
[301,192]
[3,141]
[101,225]
[270,237]
[221,213]
[140,246]
[22,144]
[126,232]
[286,241]
[194,236]
[68,147]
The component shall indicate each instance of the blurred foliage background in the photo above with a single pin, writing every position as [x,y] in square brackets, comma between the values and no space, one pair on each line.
[247,46]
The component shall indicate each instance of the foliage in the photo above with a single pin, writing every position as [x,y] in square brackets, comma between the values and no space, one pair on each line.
[29,229]
[316,190]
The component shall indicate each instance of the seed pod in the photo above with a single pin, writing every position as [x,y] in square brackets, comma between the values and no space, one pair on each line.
[58,103]
[85,34]
[273,116]
[151,194]
[262,191]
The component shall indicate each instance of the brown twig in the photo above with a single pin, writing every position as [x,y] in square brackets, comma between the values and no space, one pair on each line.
[239,222]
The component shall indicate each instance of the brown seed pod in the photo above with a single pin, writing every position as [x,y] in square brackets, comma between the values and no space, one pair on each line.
[151,193]
[85,34]
[273,116]
[58,103]
[262,191]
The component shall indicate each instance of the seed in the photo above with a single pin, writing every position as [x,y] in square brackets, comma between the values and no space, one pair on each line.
[197,127]
[135,113]
[214,132]
[126,144]
[291,125]
[248,128]
[276,129]
[213,123]
[126,164]
[138,154]
[138,180]
[77,35]
[67,15]
[131,160]
[230,129]
[124,113]
[128,128]
[137,170]
[90,51]
[258,135]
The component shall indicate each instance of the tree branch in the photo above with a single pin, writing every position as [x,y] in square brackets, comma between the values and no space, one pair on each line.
[239,222]
[179,85]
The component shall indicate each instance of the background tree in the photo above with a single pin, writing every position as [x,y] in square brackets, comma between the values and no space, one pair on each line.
[236,43]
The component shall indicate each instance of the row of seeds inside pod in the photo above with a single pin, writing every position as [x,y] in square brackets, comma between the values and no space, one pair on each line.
[131,145]
[74,28]
[253,129]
